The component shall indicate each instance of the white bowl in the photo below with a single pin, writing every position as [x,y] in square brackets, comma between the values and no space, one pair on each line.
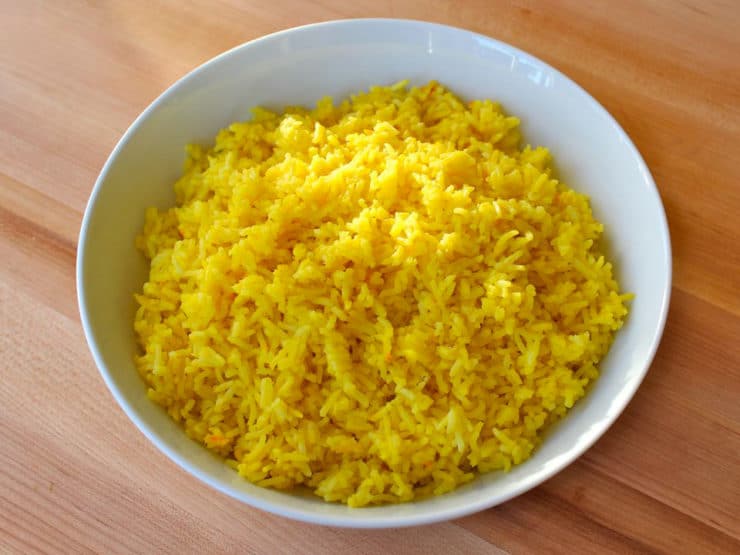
[298,66]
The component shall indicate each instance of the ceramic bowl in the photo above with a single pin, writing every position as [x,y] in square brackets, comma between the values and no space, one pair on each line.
[299,66]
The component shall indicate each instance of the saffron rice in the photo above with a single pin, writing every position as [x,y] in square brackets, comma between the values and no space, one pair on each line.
[375,300]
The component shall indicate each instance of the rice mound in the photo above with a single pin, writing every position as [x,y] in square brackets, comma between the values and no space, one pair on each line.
[375,300]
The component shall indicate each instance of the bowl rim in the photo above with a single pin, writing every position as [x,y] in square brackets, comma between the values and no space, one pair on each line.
[355,520]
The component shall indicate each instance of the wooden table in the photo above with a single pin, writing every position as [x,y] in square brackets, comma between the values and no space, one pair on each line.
[76,476]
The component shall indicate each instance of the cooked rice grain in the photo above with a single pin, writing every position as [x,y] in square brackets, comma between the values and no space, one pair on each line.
[375,300]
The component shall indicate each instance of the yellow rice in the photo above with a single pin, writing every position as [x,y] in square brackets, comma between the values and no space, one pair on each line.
[375,300]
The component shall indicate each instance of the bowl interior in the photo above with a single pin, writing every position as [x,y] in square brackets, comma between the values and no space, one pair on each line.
[300,66]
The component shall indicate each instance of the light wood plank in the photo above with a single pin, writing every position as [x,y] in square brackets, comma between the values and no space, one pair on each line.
[77,477]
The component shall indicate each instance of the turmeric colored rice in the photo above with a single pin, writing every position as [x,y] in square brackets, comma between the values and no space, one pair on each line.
[375,300]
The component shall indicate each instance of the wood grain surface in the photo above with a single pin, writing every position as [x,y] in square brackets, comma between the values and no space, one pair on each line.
[77,477]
